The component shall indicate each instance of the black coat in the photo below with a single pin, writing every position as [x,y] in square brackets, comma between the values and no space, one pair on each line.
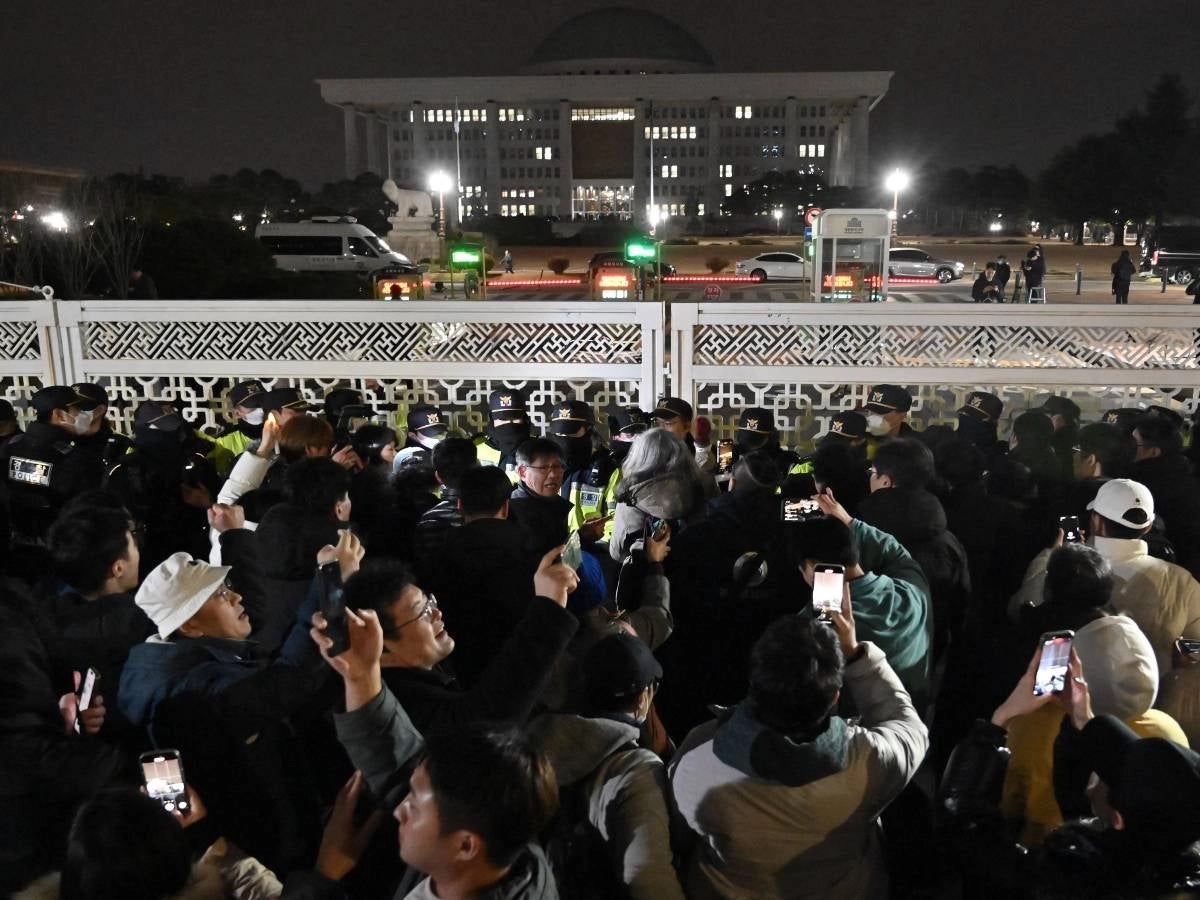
[483,579]
[543,518]
[510,685]
[1176,495]
[44,773]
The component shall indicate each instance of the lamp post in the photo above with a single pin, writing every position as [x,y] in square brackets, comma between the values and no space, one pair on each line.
[778,214]
[439,183]
[896,182]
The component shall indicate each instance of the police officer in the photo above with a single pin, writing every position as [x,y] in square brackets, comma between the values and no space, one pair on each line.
[426,429]
[101,439]
[978,424]
[45,467]
[675,415]
[508,427]
[755,431]
[848,427]
[286,403]
[9,427]
[573,430]
[246,401]
[887,409]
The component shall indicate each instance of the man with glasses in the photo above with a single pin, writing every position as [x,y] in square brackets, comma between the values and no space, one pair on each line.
[535,502]
[416,644]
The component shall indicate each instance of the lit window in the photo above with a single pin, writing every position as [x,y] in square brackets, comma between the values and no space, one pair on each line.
[820,149]
[674,171]
[699,209]
[728,189]
[692,131]
[665,171]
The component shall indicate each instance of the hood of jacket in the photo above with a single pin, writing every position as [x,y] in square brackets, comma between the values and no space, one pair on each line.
[288,539]
[752,748]
[907,515]
[672,495]
[576,745]
[1122,671]
[530,878]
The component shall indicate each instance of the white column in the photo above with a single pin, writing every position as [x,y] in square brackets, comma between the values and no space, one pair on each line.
[350,121]
[566,160]
[374,163]
[859,133]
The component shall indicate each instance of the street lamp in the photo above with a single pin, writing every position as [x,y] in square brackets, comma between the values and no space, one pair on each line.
[439,183]
[778,214]
[896,182]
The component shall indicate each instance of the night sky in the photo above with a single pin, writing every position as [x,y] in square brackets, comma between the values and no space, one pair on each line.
[191,88]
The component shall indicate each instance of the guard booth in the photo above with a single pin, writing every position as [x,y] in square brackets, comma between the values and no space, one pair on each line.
[850,248]
[614,282]
[399,284]
[471,261]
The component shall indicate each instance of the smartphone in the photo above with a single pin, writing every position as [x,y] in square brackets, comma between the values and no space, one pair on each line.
[800,509]
[572,555]
[724,455]
[332,604]
[1051,675]
[1070,529]
[162,771]
[828,579]
[1188,647]
[85,695]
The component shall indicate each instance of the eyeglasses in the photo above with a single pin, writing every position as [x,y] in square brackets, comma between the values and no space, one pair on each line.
[225,590]
[553,467]
[426,612]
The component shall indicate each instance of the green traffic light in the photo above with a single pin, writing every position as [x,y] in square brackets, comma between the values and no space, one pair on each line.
[464,256]
[641,250]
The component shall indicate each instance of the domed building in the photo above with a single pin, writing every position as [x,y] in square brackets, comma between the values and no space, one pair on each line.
[617,113]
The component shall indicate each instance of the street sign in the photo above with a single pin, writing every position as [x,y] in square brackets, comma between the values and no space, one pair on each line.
[712,292]
[639,250]
[811,215]
[808,232]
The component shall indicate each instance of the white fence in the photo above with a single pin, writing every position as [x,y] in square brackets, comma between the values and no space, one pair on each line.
[802,361]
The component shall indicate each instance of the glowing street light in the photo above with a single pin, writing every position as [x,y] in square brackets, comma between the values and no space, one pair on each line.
[778,214]
[55,221]
[439,183]
[896,181]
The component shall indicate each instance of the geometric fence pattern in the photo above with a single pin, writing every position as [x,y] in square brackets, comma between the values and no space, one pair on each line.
[464,342]
[942,345]
[19,341]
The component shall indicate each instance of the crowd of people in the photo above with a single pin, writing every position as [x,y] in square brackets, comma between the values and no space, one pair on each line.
[316,656]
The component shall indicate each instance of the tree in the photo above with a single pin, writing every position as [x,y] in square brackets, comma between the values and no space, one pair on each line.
[1078,185]
[1159,146]
[118,225]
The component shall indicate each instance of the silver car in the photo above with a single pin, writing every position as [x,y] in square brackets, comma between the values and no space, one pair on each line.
[915,263]
[776,264]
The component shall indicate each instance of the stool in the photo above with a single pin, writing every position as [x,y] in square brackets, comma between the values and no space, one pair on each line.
[1037,295]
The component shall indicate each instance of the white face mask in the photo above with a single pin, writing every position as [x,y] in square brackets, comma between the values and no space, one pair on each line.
[877,425]
[83,421]
[255,417]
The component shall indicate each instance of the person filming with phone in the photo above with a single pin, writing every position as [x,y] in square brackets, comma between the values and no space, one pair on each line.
[783,762]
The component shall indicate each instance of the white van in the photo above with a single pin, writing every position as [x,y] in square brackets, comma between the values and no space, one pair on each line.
[328,244]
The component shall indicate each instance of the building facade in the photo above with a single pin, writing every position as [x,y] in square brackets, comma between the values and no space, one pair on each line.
[618,114]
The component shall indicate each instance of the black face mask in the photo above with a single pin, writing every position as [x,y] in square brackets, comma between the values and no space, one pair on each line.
[577,451]
[160,443]
[507,438]
[619,449]
[981,434]
[254,432]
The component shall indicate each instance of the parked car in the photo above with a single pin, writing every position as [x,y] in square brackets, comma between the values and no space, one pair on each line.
[1172,251]
[916,263]
[779,265]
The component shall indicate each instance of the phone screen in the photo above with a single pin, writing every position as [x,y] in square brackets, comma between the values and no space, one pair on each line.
[572,555]
[828,579]
[1070,529]
[800,509]
[332,605]
[85,694]
[724,455]
[162,771]
[1051,675]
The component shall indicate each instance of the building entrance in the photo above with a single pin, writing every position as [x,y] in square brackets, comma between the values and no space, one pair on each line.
[606,200]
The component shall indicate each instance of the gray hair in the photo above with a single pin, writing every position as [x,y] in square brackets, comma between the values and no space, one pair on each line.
[658,452]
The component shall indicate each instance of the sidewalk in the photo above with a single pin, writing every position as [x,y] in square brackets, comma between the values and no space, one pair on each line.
[1060,291]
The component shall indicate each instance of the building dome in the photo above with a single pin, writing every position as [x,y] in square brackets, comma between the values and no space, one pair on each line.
[615,40]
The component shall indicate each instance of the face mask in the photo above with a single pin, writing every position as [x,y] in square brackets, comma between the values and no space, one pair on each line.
[979,433]
[83,421]
[877,425]
[255,417]
[507,438]
[619,449]
[427,442]
[577,451]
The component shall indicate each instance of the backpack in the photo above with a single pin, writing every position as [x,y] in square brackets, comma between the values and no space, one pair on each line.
[579,857]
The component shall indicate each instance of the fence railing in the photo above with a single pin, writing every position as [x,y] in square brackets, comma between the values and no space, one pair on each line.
[801,361]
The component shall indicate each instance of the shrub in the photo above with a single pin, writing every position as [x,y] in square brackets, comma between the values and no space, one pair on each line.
[716,264]
[557,264]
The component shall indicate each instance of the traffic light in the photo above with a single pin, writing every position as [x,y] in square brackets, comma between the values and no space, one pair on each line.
[641,250]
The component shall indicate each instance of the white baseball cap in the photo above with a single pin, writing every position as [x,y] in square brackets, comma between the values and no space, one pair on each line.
[1125,502]
[176,589]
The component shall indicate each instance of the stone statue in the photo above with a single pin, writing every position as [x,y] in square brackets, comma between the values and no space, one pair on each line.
[412,226]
